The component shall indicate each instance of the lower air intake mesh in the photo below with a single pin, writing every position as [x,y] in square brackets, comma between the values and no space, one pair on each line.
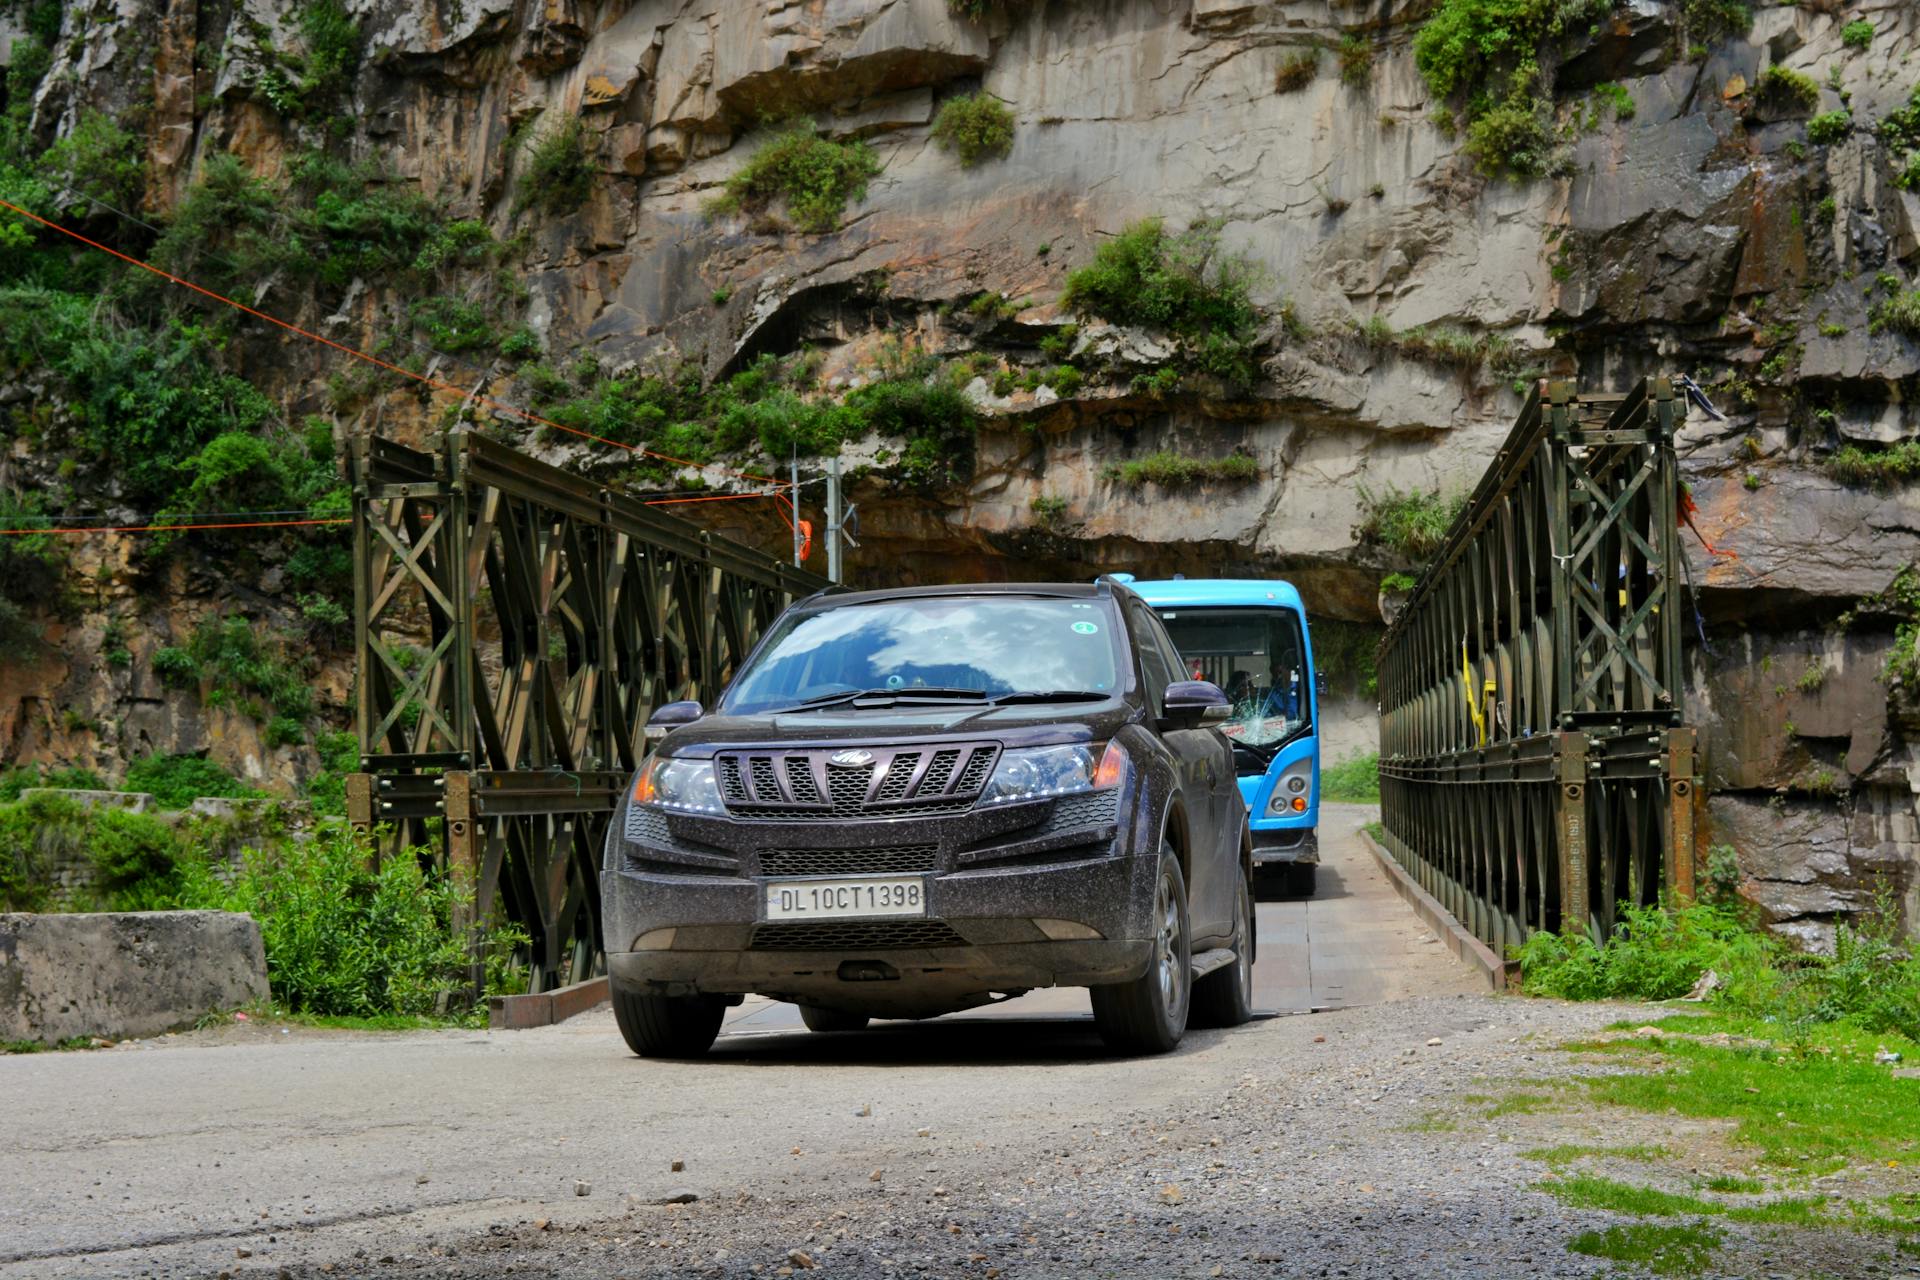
[854,935]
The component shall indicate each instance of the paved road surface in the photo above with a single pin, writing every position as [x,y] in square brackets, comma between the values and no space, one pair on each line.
[305,1148]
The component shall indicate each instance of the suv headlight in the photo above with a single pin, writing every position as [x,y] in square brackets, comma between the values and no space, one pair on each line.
[684,785]
[1034,773]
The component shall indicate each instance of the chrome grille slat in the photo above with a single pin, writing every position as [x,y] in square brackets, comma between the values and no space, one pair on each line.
[786,784]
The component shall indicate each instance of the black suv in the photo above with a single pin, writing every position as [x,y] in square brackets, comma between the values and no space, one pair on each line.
[910,802]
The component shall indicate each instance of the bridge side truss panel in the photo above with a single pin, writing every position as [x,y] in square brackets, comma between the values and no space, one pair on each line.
[515,626]
[1535,768]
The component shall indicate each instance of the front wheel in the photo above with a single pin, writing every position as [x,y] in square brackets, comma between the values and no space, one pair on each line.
[668,1026]
[1149,1014]
[818,1019]
[1224,998]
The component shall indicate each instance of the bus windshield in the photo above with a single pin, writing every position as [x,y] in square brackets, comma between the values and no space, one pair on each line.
[1258,658]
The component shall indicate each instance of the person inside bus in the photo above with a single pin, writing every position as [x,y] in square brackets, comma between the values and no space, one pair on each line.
[1283,697]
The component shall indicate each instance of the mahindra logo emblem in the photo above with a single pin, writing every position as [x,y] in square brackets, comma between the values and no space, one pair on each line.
[854,758]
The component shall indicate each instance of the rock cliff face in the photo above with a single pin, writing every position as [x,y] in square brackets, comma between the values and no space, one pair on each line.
[1690,222]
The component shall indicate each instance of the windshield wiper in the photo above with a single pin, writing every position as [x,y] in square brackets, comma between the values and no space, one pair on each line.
[1052,695]
[923,693]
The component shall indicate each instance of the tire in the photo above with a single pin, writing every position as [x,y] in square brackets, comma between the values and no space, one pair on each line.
[1149,1014]
[1300,878]
[668,1026]
[1224,998]
[818,1019]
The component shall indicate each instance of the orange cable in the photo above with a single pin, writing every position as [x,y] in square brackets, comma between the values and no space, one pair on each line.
[357,354]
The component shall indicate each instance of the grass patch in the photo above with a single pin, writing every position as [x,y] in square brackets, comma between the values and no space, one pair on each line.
[176,781]
[1432,1122]
[1786,91]
[1297,70]
[1355,780]
[1567,1152]
[1177,471]
[1412,522]
[1183,284]
[1356,61]
[975,127]
[1857,34]
[1662,1250]
[1734,1184]
[1519,1104]
[811,176]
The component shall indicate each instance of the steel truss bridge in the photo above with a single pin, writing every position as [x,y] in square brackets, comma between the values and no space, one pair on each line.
[514,626]
[1535,764]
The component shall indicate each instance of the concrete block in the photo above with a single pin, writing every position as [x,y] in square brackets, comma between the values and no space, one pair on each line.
[132,801]
[120,974]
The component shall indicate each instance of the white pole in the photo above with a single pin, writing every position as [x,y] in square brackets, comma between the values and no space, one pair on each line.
[793,473]
[833,518]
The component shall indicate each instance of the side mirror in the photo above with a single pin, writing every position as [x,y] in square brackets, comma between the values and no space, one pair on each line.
[1192,704]
[671,716]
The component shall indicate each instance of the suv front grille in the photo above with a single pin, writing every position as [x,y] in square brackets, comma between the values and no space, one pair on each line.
[849,862]
[855,935]
[805,785]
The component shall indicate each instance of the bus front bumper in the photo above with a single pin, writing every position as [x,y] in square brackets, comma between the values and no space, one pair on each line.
[1291,844]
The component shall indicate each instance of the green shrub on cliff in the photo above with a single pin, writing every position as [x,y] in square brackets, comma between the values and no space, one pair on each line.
[1177,471]
[559,170]
[1829,127]
[975,127]
[31,568]
[1486,56]
[812,176]
[96,160]
[301,80]
[1786,91]
[177,781]
[1413,522]
[1184,284]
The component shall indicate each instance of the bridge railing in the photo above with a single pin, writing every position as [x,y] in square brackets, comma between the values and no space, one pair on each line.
[1535,767]
[514,627]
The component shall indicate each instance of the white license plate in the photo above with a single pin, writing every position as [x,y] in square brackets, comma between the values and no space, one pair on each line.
[845,899]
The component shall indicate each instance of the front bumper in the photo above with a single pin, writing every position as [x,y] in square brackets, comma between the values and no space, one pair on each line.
[989,877]
[1297,845]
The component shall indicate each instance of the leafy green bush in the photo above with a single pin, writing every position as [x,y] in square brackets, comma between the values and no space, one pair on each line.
[975,127]
[559,172]
[812,176]
[1829,127]
[1174,470]
[177,781]
[1346,655]
[299,81]
[454,324]
[1412,522]
[1710,19]
[1784,90]
[1184,284]
[1485,55]
[232,653]
[347,934]
[29,831]
[1857,34]
[96,160]
[1899,311]
[339,755]
[134,856]
[1355,780]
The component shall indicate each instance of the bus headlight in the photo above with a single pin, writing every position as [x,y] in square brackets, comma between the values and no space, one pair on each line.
[1291,790]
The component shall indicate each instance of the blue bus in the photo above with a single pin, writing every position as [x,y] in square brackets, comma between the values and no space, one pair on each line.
[1249,636]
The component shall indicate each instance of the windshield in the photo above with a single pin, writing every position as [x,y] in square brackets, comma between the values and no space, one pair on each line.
[996,645]
[1256,655]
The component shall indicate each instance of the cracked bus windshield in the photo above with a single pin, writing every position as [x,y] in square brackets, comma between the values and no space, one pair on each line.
[1255,655]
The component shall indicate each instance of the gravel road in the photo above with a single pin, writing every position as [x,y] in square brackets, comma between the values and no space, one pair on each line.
[1349,1142]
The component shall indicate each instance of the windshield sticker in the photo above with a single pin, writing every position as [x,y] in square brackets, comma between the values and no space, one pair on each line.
[1086,628]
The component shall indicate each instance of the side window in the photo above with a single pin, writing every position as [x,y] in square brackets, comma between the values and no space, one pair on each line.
[1156,659]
